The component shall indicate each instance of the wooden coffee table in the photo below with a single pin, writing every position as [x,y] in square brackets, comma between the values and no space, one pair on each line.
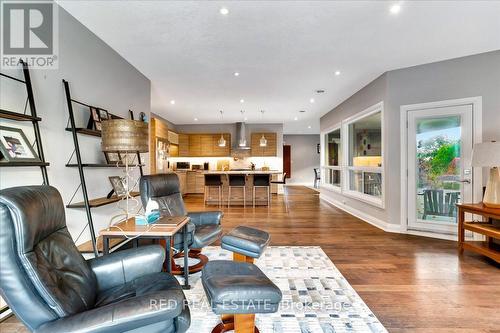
[163,229]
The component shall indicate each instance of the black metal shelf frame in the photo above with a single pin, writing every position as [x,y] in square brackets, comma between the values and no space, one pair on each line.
[81,166]
[33,118]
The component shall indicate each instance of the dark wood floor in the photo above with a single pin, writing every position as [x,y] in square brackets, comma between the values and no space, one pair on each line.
[411,283]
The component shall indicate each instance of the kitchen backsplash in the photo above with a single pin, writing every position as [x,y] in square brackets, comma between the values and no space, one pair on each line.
[274,163]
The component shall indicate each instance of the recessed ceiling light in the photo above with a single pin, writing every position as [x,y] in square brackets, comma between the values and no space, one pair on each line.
[296,118]
[236,73]
[172,102]
[195,119]
[337,73]
[309,126]
[242,101]
[311,100]
[224,11]
[396,8]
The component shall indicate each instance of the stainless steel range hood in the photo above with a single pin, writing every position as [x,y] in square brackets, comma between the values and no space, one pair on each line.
[241,142]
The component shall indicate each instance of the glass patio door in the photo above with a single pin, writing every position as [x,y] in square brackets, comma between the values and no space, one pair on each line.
[439,171]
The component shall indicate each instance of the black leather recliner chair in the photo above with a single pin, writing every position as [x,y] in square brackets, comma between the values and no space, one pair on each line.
[204,228]
[51,288]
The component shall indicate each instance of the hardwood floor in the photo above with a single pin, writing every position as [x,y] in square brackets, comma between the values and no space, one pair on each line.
[411,283]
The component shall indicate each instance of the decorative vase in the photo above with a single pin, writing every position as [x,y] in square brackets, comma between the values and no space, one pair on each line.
[492,194]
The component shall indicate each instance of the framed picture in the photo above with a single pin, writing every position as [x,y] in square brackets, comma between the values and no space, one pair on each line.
[95,114]
[112,158]
[103,115]
[14,146]
[118,185]
[93,119]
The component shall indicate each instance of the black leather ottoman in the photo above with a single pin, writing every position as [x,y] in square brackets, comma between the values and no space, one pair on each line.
[237,291]
[246,243]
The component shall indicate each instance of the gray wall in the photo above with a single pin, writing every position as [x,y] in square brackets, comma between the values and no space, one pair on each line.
[477,75]
[304,159]
[98,76]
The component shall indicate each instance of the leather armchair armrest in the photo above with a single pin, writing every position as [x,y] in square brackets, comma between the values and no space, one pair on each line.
[206,218]
[125,315]
[123,266]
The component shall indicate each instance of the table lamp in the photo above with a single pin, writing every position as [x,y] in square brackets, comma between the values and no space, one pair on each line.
[125,136]
[487,154]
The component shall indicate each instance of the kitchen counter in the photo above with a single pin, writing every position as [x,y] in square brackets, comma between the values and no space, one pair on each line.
[193,182]
[232,172]
[243,172]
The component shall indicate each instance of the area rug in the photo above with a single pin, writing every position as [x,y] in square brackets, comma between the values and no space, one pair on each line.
[316,297]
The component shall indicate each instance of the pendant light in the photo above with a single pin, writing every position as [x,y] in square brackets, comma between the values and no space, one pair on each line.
[263,140]
[222,141]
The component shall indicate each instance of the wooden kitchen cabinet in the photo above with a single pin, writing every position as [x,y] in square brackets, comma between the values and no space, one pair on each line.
[195,182]
[272,145]
[200,182]
[207,145]
[190,181]
[184,145]
[203,145]
[182,182]
[194,145]
[173,150]
[173,138]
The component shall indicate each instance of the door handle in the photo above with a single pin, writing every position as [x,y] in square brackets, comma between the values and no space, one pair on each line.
[466,181]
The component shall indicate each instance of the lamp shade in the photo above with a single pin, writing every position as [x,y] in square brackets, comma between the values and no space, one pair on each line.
[486,154]
[123,135]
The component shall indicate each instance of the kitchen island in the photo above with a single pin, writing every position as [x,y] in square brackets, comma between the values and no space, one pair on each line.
[212,193]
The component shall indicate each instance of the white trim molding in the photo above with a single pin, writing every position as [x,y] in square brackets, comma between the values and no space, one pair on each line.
[389,227]
[383,225]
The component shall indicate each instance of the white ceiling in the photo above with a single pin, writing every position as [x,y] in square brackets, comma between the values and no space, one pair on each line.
[283,50]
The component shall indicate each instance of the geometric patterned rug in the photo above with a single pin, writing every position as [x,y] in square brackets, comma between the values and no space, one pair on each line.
[316,297]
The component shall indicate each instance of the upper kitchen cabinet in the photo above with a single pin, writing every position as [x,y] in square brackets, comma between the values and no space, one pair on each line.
[173,138]
[207,144]
[269,150]
[183,145]
[203,145]
[194,145]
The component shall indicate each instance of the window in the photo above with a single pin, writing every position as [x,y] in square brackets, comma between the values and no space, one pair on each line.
[363,172]
[333,155]
[353,156]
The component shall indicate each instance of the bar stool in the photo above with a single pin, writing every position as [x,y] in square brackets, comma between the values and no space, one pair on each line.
[212,181]
[285,194]
[262,181]
[237,181]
